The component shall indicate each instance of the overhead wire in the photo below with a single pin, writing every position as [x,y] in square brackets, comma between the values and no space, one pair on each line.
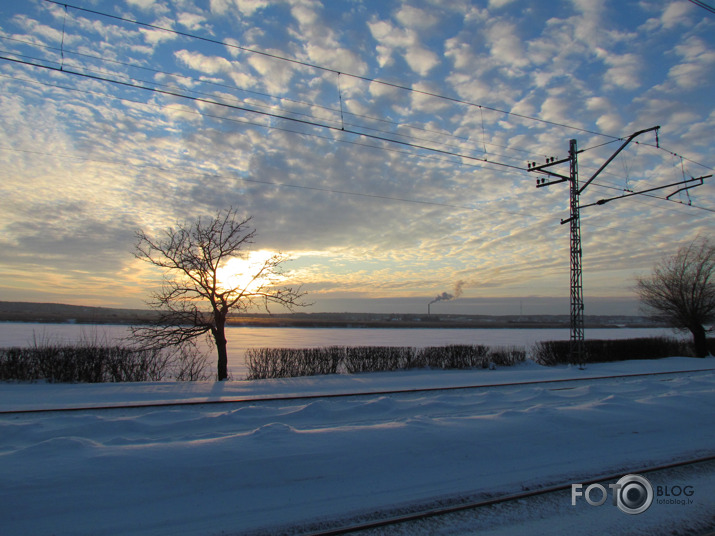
[267,182]
[244,179]
[280,98]
[327,69]
[308,122]
[305,122]
[703,5]
[335,128]
[337,72]
[242,121]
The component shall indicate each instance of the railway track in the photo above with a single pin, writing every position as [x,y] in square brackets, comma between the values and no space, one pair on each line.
[405,523]
[288,398]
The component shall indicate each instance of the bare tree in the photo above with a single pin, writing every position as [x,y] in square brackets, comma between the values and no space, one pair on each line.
[681,291]
[195,298]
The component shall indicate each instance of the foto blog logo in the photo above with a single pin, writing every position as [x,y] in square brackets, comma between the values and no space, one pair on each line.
[632,494]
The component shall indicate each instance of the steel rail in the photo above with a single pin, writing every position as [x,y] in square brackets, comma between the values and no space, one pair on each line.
[290,398]
[473,505]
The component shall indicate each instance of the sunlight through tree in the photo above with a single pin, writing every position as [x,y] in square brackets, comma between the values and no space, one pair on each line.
[208,274]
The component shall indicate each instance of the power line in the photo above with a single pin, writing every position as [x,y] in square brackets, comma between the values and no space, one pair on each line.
[244,121]
[268,95]
[340,73]
[334,128]
[270,183]
[327,69]
[703,5]
[267,114]
[312,123]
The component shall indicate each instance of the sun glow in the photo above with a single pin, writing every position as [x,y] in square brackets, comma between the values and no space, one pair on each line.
[239,273]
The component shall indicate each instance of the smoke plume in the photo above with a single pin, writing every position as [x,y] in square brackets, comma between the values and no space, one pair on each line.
[446,296]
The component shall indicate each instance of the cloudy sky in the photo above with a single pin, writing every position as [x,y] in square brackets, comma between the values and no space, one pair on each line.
[382,144]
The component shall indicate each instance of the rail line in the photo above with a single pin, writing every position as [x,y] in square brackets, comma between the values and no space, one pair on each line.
[419,515]
[288,398]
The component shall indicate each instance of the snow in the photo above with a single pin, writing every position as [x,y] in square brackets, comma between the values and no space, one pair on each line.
[267,465]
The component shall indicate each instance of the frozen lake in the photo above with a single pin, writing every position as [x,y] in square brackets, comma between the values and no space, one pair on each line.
[242,338]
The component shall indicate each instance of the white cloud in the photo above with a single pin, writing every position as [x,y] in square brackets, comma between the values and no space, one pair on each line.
[556,108]
[697,66]
[275,75]
[420,59]
[426,103]
[383,90]
[414,17]
[460,53]
[623,69]
[55,35]
[676,14]
[320,42]
[608,120]
[124,164]
[181,112]
[244,7]
[389,35]
[155,37]
[149,5]
[506,45]
[192,21]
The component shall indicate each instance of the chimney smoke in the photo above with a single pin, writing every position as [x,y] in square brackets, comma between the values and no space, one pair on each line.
[446,296]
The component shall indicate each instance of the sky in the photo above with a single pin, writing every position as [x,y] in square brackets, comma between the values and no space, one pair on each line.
[381,145]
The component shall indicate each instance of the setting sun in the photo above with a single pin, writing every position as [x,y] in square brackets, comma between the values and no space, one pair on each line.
[239,273]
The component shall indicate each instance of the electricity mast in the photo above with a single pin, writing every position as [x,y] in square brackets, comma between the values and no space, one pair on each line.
[576,337]
[577,351]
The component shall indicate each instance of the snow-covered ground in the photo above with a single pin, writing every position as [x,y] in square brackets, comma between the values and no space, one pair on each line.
[231,469]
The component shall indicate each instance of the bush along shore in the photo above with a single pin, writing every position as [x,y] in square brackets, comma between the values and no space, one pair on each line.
[93,362]
[97,363]
[291,362]
[551,353]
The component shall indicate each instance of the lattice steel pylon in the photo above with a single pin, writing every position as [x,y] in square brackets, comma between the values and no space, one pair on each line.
[577,336]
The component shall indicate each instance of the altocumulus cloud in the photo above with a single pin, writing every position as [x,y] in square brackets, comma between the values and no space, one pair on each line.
[304,146]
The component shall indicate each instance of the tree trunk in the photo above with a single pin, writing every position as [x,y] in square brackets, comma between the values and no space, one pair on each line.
[700,341]
[219,334]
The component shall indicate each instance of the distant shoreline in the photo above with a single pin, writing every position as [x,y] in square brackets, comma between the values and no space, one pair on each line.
[48,313]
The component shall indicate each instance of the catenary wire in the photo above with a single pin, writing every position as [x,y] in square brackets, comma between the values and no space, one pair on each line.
[703,5]
[380,138]
[270,96]
[270,183]
[267,114]
[334,71]
[482,161]
[315,66]
[327,69]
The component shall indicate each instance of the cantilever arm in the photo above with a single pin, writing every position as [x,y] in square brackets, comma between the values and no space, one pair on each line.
[701,179]
[688,184]
[628,140]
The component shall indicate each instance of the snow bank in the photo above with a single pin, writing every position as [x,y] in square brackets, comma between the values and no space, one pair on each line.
[237,468]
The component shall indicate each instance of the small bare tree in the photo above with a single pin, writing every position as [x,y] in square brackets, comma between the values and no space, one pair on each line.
[681,291]
[194,299]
